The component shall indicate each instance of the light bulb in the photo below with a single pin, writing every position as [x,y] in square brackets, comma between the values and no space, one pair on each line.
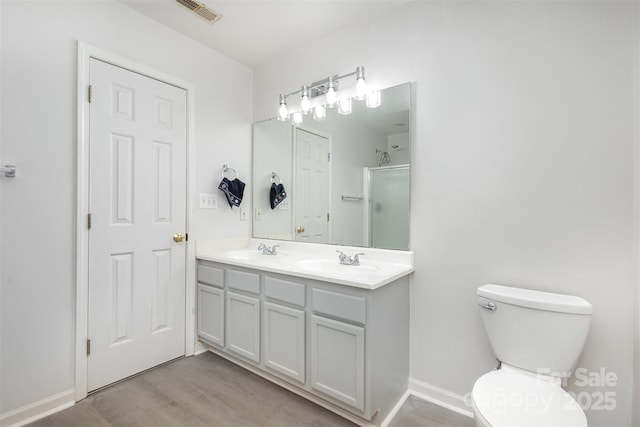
[319,113]
[332,97]
[361,90]
[361,86]
[296,118]
[374,99]
[282,110]
[305,104]
[344,106]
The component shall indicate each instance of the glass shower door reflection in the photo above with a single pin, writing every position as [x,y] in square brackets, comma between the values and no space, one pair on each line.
[389,204]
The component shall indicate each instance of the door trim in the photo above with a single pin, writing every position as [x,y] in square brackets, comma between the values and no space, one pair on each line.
[84,53]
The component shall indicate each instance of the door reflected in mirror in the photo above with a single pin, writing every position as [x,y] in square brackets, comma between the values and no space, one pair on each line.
[345,179]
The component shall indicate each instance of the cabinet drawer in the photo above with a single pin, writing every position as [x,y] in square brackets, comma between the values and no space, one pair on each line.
[211,275]
[283,290]
[243,281]
[342,306]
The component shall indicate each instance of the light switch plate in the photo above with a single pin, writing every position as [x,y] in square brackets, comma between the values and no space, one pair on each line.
[208,201]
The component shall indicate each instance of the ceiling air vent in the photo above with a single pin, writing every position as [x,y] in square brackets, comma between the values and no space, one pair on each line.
[201,10]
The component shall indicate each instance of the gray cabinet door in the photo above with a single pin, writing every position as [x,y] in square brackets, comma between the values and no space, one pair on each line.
[211,314]
[243,325]
[337,360]
[284,340]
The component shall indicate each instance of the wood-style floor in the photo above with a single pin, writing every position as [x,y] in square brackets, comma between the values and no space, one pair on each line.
[207,390]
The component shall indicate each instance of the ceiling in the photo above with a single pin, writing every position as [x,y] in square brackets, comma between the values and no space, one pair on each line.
[251,31]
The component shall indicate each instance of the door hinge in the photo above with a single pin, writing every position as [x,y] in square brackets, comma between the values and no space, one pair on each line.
[328,157]
[89,221]
[90,95]
[88,347]
[327,217]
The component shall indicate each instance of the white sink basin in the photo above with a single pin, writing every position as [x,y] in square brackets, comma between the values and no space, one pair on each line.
[330,266]
[242,255]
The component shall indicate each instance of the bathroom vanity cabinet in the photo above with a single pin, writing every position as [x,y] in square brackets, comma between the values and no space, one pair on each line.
[345,345]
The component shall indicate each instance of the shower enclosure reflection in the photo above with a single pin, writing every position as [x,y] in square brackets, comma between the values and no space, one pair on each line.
[346,178]
[388,216]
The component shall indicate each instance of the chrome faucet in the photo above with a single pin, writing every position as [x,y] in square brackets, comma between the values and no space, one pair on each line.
[266,250]
[347,260]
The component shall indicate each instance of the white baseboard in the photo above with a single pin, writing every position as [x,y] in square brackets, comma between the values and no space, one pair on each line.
[199,348]
[395,409]
[40,409]
[441,397]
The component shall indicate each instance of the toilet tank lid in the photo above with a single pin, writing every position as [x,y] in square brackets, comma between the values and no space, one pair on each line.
[535,299]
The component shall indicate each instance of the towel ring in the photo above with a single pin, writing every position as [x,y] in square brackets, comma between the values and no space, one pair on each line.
[226,170]
[274,177]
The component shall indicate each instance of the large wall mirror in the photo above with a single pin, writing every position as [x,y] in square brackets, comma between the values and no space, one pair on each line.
[346,178]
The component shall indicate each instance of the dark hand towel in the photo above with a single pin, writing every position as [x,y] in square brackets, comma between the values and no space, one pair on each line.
[276,195]
[233,190]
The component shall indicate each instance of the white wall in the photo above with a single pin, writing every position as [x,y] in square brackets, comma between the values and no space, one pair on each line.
[38,87]
[636,255]
[523,166]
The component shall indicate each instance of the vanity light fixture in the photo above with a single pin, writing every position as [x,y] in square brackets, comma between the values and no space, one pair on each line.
[296,118]
[344,106]
[305,104]
[361,86]
[374,99]
[283,114]
[332,97]
[319,113]
[323,94]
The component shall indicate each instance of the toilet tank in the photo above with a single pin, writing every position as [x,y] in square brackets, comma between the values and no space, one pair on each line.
[540,332]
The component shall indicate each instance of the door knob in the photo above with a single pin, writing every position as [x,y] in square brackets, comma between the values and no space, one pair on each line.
[300,229]
[178,237]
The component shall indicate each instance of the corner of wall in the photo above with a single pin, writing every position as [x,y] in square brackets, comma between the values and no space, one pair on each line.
[441,397]
[635,416]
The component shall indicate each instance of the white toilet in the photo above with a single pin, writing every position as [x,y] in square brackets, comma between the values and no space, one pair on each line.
[537,337]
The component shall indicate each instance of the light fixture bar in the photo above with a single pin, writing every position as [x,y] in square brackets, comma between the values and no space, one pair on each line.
[324,82]
[327,87]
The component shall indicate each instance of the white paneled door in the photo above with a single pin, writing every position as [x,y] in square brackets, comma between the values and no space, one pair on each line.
[311,195]
[137,201]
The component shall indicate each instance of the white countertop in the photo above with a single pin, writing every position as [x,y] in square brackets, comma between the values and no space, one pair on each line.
[377,268]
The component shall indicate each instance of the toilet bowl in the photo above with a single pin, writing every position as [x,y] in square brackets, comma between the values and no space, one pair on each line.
[506,397]
[537,337]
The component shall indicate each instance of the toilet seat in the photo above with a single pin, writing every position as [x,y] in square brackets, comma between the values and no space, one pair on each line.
[508,398]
